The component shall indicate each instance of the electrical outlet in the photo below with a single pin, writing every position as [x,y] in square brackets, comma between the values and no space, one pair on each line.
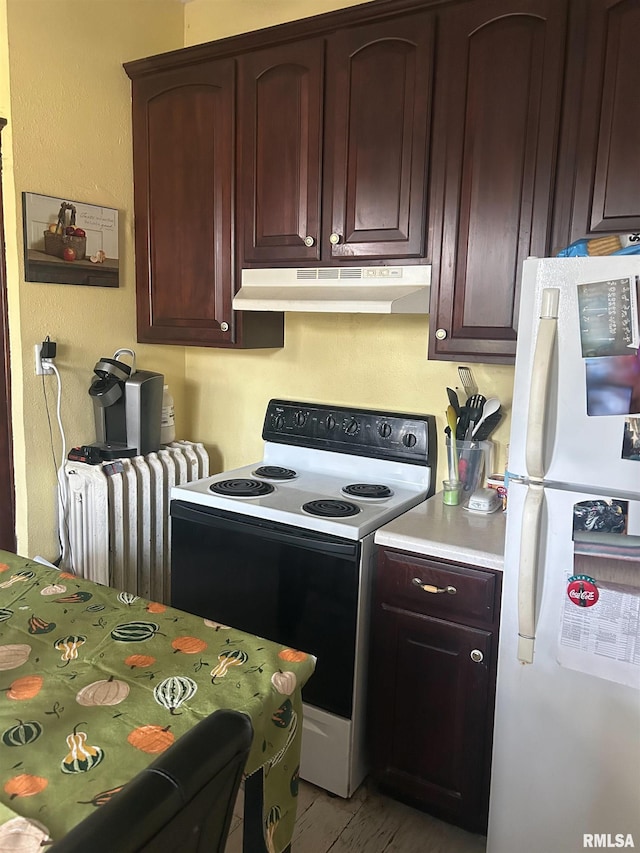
[42,368]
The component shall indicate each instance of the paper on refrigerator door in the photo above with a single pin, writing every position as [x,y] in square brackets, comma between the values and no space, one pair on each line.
[608,317]
[603,639]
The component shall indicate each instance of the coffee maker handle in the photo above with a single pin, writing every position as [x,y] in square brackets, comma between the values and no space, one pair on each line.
[129,352]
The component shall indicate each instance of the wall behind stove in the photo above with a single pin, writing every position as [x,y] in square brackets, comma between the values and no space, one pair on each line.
[345,359]
[354,360]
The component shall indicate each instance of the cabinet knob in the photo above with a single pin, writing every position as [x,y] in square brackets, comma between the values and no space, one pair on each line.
[224,327]
[309,241]
[334,239]
[476,656]
[441,334]
[428,587]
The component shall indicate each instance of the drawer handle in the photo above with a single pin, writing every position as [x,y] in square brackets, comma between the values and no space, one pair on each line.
[428,587]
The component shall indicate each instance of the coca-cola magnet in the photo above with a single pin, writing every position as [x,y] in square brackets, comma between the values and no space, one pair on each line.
[582,590]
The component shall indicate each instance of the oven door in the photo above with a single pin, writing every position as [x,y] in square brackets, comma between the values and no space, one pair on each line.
[288,584]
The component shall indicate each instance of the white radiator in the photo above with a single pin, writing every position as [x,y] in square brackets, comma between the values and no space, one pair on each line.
[114,517]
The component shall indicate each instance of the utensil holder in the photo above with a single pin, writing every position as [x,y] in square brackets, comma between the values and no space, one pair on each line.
[470,456]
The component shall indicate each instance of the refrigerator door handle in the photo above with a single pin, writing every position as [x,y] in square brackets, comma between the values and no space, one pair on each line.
[528,571]
[540,377]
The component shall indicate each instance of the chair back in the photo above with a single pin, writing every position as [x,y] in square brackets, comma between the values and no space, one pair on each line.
[182,802]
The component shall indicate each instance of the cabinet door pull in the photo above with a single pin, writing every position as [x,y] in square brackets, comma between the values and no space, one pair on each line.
[476,656]
[441,334]
[334,239]
[428,587]
[309,241]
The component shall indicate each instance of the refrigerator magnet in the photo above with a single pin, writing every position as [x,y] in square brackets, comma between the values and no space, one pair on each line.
[582,590]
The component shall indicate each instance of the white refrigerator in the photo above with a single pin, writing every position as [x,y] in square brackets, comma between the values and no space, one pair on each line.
[566,755]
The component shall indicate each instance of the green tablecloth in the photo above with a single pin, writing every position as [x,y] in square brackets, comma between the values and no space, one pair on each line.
[95,683]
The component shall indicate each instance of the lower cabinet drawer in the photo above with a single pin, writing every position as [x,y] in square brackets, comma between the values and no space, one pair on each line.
[427,586]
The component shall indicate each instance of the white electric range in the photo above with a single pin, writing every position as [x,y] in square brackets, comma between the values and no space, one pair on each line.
[283,548]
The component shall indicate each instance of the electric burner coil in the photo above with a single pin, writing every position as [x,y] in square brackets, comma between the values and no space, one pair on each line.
[275,472]
[331,508]
[242,488]
[367,490]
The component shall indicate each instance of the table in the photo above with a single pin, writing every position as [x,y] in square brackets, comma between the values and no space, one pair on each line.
[95,683]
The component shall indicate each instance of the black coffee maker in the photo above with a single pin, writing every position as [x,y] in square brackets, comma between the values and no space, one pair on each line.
[127,405]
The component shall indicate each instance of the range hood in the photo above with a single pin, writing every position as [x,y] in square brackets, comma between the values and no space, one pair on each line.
[347,290]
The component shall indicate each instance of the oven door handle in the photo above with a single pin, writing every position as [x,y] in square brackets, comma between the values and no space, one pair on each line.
[266,530]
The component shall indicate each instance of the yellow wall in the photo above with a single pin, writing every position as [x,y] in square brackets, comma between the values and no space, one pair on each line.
[207,20]
[71,138]
[362,360]
[67,97]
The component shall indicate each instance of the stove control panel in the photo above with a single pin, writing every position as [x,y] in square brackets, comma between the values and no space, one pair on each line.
[364,432]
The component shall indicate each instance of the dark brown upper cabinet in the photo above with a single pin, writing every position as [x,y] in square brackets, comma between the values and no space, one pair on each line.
[333,139]
[603,173]
[496,114]
[280,101]
[467,134]
[184,193]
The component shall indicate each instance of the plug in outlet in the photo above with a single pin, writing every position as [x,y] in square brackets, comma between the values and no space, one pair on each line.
[42,368]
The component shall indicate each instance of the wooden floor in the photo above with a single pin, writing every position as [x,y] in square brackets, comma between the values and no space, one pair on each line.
[367,823]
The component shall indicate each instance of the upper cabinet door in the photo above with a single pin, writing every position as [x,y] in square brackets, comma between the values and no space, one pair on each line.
[279,130]
[183,168]
[607,167]
[497,104]
[379,80]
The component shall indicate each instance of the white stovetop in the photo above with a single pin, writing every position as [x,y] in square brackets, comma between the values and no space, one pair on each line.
[449,533]
[284,503]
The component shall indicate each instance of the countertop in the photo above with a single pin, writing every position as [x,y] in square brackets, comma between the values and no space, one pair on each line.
[449,533]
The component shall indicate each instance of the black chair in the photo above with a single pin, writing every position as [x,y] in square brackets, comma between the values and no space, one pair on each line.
[182,802]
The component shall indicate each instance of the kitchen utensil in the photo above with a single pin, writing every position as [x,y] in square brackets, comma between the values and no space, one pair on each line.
[453,400]
[492,404]
[451,444]
[488,426]
[464,416]
[475,404]
[468,382]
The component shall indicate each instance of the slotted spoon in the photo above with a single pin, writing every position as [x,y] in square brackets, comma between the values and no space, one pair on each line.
[468,382]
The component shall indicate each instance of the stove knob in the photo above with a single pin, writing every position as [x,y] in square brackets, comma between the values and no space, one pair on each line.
[384,430]
[409,439]
[278,422]
[351,427]
[330,422]
[299,419]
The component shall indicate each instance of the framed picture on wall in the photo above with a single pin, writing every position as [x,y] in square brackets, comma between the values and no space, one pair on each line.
[69,242]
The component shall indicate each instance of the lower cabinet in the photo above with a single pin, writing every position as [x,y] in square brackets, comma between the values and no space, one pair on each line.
[432,684]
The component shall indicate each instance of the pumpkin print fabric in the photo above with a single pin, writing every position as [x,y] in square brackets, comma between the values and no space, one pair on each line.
[95,683]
